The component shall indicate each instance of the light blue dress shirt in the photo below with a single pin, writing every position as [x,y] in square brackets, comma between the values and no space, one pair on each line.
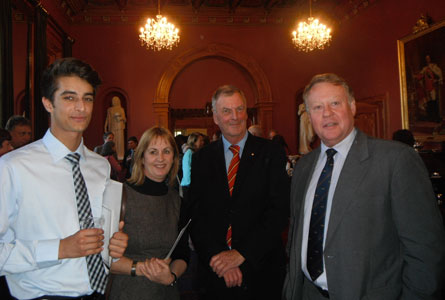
[38,208]
[339,159]
[228,153]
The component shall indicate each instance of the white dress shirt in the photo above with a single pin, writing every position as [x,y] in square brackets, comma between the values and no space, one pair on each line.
[342,149]
[38,209]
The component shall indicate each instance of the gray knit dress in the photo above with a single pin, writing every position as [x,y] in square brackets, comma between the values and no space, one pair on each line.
[151,222]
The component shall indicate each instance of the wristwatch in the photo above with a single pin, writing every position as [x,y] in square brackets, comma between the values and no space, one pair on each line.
[133,268]
[174,280]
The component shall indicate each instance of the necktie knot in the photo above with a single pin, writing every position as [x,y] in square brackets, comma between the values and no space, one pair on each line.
[73,158]
[234,149]
[330,153]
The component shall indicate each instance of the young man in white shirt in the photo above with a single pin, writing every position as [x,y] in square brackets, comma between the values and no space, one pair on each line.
[43,249]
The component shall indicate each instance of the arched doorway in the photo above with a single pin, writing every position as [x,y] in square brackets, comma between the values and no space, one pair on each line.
[258,79]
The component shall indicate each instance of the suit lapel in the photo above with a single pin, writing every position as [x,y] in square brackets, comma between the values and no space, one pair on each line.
[220,165]
[298,198]
[354,169]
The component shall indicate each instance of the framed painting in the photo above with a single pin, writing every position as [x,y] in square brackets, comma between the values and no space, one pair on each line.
[421,68]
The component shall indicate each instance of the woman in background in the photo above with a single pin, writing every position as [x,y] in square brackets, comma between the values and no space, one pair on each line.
[152,214]
[195,142]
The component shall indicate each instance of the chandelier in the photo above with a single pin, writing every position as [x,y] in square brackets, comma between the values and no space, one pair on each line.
[311,35]
[159,34]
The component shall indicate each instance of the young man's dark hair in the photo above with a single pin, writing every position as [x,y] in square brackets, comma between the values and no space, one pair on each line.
[67,67]
[133,138]
[15,120]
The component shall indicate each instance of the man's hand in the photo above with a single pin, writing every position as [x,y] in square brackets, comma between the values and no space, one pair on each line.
[233,277]
[118,242]
[226,260]
[83,243]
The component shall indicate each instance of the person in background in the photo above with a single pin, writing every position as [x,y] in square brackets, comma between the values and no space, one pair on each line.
[20,129]
[256,130]
[279,140]
[364,220]
[240,196]
[132,143]
[205,139]
[109,152]
[5,142]
[195,142]
[216,136]
[108,136]
[51,190]
[152,217]
[404,136]
[272,133]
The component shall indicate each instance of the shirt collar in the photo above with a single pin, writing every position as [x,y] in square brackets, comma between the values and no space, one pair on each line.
[343,147]
[241,143]
[57,149]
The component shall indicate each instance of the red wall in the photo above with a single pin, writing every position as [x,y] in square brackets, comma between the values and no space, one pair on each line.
[363,50]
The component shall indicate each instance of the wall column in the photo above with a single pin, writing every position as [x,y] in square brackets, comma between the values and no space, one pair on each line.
[161,112]
[265,111]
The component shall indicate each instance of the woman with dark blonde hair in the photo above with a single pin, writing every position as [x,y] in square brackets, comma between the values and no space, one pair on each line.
[152,212]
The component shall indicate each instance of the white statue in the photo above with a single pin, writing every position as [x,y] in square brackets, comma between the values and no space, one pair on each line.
[306,131]
[115,123]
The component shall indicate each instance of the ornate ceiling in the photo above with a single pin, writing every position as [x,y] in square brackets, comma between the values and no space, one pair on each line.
[220,12]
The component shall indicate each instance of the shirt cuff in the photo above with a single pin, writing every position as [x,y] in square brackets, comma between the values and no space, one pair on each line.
[47,253]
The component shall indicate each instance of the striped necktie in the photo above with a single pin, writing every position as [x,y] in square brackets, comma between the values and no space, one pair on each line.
[231,176]
[96,271]
[314,261]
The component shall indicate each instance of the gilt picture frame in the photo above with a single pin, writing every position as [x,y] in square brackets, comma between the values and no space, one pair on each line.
[421,69]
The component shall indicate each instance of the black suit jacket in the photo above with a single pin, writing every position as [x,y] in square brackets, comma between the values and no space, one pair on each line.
[258,210]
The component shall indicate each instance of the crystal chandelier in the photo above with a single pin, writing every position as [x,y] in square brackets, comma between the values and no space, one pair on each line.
[159,34]
[311,35]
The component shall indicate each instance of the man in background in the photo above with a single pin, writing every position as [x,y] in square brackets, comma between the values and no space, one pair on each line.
[256,130]
[5,142]
[364,220]
[108,136]
[132,143]
[51,192]
[20,129]
[240,191]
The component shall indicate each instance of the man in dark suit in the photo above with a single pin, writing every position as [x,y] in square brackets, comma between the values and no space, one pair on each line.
[132,143]
[364,220]
[237,225]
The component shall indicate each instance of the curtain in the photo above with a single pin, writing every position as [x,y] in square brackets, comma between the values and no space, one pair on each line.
[40,115]
[6,78]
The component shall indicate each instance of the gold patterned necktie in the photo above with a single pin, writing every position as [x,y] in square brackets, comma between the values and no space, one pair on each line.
[231,176]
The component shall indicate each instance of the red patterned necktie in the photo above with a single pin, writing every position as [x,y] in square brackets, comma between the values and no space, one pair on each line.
[231,175]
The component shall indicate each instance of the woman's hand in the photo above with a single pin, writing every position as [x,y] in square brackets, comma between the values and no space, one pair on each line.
[157,270]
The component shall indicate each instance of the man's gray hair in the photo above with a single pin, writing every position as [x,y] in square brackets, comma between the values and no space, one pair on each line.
[329,78]
[226,90]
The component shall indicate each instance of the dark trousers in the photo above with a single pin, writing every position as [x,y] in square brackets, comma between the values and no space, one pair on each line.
[4,290]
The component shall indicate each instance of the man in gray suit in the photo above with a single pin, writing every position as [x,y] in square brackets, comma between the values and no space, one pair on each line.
[364,220]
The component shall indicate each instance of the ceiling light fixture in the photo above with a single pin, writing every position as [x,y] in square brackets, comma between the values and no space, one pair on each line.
[159,34]
[311,35]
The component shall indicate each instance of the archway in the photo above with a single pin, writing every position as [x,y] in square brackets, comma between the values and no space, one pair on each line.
[260,83]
